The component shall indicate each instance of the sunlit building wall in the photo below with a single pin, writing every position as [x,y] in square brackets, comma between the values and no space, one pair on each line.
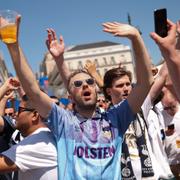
[3,70]
[106,55]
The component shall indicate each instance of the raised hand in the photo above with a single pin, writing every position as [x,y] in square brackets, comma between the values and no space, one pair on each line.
[12,83]
[3,22]
[9,86]
[121,30]
[167,43]
[18,21]
[90,67]
[170,49]
[55,47]
[178,36]
[9,96]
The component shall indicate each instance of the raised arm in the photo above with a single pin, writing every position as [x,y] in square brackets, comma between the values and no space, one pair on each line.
[56,48]
[6,91]
[40,100]
[91,68]
[142,62]
[170,49]
[159,82]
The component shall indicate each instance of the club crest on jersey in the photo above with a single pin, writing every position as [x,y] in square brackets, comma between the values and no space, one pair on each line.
[107,132]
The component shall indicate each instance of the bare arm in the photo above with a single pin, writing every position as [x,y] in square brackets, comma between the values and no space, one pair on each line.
[142,62]
[4,101]
[40,100]
[91,68]
[159,82]
[21,92]
[6,165]
[56,48]
[170,49]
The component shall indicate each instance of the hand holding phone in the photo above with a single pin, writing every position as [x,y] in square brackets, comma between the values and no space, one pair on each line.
[160,20]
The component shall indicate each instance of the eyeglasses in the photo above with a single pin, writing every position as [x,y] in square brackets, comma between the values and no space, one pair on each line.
[101,100]
[79,83]
[22,109]
[8,114]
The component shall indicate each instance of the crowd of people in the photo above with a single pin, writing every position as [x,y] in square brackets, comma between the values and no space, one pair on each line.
[109,129]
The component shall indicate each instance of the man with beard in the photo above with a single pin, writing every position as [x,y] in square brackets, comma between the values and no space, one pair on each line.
[35,157]
[88,142]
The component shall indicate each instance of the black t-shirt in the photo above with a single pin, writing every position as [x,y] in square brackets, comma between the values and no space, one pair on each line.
[5,136]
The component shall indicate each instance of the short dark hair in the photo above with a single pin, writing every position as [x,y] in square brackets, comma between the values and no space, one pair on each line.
[53,97]
[73,74]
[112,74]
[25,98]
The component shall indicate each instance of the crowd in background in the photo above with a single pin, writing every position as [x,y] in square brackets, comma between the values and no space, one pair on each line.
[106,128]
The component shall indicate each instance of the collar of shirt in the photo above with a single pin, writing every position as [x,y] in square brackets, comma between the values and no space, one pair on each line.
[97,116]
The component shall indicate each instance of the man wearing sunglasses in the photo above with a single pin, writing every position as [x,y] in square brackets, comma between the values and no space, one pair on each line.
[88,142]
[35,157]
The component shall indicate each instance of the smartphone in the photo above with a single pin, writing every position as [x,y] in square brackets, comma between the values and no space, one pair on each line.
[160,21]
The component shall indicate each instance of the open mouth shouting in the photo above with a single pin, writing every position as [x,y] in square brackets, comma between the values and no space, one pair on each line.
[125,95]
[86,95]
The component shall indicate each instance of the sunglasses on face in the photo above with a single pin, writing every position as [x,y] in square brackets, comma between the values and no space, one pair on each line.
[22,109]
[79,83]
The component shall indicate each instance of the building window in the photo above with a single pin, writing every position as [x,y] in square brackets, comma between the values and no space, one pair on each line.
[69,65]
[98,72]
[105,70]
[105,61]
[113,62]
[80,65]
[96,62]
[123,58]
[125,68]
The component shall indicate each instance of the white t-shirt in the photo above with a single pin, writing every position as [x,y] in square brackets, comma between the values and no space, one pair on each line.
[155,125]
[172,142]
[133,151]
[154,142]
[35,156]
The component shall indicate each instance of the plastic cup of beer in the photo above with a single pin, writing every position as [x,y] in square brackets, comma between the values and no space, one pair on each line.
[8,26]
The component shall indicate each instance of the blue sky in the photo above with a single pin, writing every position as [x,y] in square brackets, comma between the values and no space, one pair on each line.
[79,21]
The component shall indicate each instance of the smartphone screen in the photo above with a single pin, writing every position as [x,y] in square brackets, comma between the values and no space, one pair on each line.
[160,20]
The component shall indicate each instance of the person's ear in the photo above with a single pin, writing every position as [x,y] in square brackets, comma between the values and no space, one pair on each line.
[35,115]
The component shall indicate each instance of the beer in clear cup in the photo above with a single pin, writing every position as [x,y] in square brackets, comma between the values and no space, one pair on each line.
[8,26]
